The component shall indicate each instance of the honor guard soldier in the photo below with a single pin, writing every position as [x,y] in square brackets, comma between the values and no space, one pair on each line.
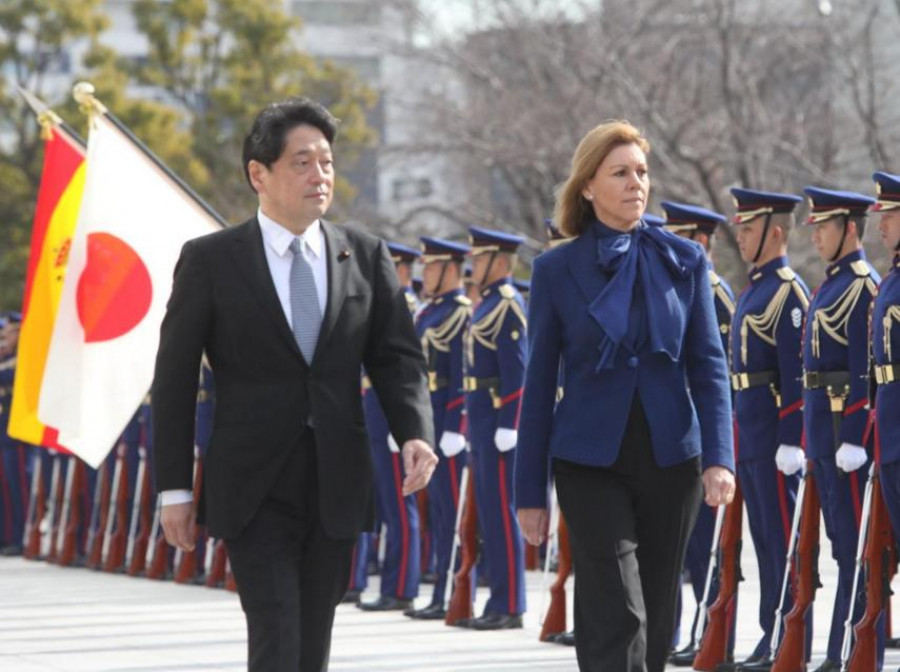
[14,467]
[766,379]
[886,346]
[699,224]
[400,571]
[495,362]
[441,325]
[835,381]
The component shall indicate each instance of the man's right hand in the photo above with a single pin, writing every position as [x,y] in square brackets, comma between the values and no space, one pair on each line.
[178,523]
[535,524]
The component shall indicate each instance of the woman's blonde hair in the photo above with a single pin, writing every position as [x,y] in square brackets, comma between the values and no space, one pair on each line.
[573,211]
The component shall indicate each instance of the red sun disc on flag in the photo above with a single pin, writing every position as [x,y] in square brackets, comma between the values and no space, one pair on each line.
[114,290]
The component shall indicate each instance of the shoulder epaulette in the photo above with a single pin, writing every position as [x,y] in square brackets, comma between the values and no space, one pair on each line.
[8,364]
[464,300]
[507,291]
[714,278]
[786,274]
[861,268]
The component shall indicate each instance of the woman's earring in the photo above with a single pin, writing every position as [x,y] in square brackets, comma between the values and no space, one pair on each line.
[589,197]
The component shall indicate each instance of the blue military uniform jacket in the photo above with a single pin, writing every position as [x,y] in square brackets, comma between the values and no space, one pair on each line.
[376,422]
[766,360]
[588,423]
[838,318]
[886,355]
[723,299]
[441,326]
[495,359]
[7,377]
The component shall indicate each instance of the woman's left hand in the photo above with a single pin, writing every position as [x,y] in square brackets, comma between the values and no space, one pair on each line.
[718,485]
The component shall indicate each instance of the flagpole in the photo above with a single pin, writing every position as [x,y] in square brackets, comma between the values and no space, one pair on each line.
[47,118]
[83,92]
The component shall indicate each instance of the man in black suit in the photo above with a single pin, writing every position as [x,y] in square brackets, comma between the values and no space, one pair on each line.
[287,308]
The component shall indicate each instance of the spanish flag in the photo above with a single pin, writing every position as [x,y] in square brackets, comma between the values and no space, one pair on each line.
[58,203]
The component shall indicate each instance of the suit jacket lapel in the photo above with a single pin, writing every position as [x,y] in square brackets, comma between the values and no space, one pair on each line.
[250,259]
[582,257]
[337,254]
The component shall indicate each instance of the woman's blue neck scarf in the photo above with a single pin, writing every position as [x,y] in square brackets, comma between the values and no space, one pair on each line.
[660,258]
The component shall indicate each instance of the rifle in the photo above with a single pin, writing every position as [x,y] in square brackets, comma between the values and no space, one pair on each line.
[457,540]
[51,521]
[215,563]
[31,540]
[792,651]
[157,560]
[715,642]
[139,527]
[67,536]
[94,546]
[879,571]
[460,606]
[186,562]
[555,619]
[847,641]
[702,618]
[114,537]
[792,545]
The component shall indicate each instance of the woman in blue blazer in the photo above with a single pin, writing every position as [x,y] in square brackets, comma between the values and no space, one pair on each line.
[624,313]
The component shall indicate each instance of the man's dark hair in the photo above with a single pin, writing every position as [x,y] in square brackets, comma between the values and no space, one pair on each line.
[267,137]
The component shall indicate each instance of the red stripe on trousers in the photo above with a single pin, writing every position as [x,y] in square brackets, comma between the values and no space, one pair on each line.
[404,526]
[783,506]
[459,401]
[793,408]
[507,531]
[854,490]
[454,484]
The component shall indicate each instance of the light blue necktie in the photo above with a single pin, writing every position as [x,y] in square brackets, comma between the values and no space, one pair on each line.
[306,314]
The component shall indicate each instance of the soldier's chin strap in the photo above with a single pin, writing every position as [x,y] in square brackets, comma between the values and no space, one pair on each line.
[837,252]
[487,269]
[440,282]
[762,239]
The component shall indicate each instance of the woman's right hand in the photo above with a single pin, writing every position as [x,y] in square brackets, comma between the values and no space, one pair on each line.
[534,524]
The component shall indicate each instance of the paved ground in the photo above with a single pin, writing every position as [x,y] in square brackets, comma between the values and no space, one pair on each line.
[68,620]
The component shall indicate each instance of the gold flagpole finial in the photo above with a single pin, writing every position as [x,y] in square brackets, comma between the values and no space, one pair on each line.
[83,93]
[47,118]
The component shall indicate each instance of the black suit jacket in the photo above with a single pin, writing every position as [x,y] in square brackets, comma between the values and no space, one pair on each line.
[224,302]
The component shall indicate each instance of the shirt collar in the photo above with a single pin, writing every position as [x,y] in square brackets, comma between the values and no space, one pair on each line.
[279,238]
[844,262]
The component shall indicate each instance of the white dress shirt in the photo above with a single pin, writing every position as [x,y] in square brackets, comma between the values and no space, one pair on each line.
[277,245]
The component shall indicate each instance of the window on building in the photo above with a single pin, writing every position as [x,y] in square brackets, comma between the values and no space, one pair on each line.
[407,189]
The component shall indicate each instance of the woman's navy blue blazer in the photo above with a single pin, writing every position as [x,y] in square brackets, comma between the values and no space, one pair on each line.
[684,391]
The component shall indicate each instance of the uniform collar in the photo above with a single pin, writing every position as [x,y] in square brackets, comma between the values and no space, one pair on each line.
[486,291]
[844,263]
[757,273]
[896,263]
[440,298]
[279,238]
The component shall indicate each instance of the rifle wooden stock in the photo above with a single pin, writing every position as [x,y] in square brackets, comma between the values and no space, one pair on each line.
[531,557]
[715,642]
[99,514]
[460,606]
[879,545]
[792,652]
[67,541]
[215,572]
[31,541]
[186,562]
[50,526]
[555,620]
[116,534]
[139,529]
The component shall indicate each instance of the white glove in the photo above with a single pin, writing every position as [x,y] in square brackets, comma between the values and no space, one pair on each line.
[850,457]
[789,459]
[452,443]
[392,444]
[505,439]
